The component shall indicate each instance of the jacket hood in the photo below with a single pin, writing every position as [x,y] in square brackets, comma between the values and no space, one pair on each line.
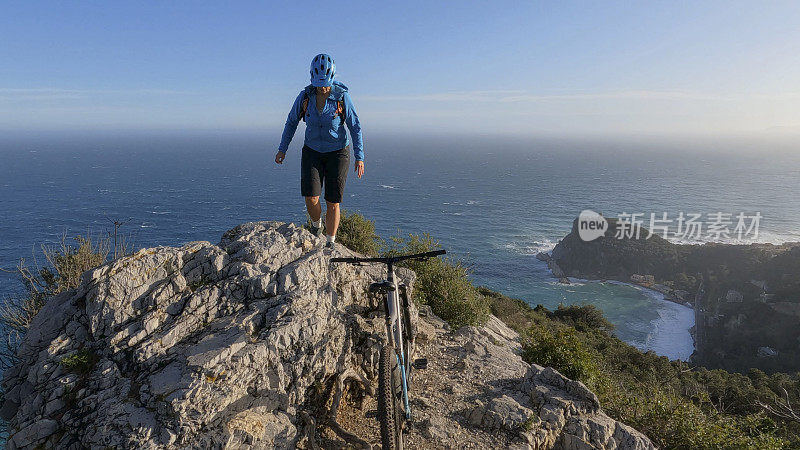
[337,90]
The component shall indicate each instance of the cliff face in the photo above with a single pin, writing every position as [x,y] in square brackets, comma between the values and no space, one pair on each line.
[252,342]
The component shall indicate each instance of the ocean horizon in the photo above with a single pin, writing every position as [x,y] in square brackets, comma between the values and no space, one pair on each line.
[492,203]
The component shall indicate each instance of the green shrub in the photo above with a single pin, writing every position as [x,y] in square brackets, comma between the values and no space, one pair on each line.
[672,421]
[583,317]
[81,362]
[442,283]
[358,234]
[514,312]
[560,349]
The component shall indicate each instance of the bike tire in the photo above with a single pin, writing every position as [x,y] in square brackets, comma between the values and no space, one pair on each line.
[388,411]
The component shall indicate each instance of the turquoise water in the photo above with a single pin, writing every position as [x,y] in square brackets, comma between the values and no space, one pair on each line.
[492,202]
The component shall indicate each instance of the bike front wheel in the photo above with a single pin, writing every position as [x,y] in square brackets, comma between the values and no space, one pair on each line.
[389,390]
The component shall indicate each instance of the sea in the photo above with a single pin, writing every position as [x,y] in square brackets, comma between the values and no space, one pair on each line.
[493,202]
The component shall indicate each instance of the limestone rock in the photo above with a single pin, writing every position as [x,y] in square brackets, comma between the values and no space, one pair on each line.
[479,393]
[500,412]
[200,346]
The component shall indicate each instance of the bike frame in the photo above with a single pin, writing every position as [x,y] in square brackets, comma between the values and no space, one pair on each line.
[394,332]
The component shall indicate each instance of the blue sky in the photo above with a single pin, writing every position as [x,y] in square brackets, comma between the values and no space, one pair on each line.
[522,68]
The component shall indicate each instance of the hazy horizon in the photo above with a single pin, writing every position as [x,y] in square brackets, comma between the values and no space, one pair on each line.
[377,142]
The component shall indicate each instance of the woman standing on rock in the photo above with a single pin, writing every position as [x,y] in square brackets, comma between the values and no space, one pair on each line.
[326,148]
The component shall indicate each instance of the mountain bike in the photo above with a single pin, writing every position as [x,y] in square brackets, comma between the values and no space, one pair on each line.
[394,366]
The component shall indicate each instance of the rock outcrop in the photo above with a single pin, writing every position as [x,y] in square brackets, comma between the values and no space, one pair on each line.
[253,343]
[478,393]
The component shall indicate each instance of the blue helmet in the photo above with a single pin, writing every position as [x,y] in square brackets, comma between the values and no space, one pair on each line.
[322,70]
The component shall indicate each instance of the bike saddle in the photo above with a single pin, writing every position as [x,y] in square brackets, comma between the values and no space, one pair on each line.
[382,286]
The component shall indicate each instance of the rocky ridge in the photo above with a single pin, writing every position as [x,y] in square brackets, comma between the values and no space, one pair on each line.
[260,342]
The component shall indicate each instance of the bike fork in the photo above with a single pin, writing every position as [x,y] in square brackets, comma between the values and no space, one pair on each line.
[407,408]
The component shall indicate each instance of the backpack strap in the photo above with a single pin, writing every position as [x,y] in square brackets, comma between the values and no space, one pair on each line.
[340,110]
[306,96]
[305,104]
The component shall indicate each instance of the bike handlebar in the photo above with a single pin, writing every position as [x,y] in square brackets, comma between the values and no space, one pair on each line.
[390,259]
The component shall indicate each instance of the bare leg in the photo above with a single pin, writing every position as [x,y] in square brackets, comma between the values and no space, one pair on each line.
[331,218]
[315,209]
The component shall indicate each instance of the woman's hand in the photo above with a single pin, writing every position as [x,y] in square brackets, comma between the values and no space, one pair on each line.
[279,157]
[359,168]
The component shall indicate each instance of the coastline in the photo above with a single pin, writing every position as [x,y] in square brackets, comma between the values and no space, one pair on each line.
[678,318]
[668,293]
[672,332]
[661,336]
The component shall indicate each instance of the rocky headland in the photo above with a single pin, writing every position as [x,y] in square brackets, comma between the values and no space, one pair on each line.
[746,297]
[260,342]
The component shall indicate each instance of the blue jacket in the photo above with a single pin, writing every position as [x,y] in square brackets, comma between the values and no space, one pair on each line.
[324,132]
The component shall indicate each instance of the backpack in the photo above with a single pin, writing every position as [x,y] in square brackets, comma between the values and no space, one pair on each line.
[339,105]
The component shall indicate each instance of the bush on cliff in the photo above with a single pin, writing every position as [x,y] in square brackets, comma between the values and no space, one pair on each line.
[560,349]
[672,421]
[355,232]
[582,317]
[65,265]
[442,283]
[513,311]
[358,233]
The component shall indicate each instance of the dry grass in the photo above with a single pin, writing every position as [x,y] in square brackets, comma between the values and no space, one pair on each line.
[65,263]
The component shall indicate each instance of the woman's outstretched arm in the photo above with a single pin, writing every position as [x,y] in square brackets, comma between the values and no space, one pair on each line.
[355,128]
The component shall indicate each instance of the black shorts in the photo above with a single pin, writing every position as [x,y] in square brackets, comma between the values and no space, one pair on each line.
[329,168]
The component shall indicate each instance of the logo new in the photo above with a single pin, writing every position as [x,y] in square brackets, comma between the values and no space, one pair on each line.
[591,225]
